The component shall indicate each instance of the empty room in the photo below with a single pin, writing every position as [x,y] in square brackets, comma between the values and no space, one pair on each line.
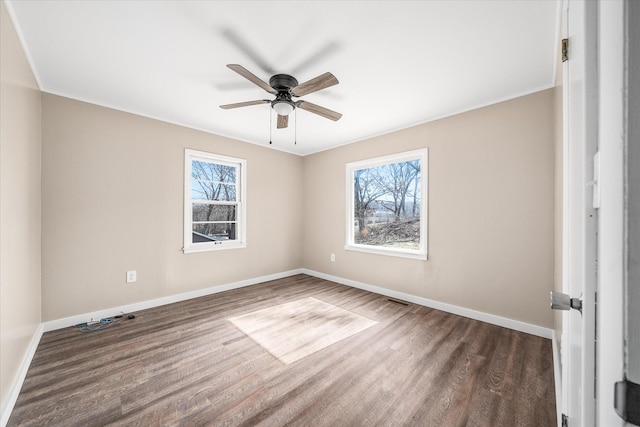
[305,213]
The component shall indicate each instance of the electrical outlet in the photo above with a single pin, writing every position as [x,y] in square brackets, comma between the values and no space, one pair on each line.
[333,257]
[131,276]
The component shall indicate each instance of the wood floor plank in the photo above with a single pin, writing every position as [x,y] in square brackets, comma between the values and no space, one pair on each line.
[186,364]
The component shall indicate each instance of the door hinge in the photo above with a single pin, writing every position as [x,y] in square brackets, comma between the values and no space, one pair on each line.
[565,420]
[565,50]
[626,401]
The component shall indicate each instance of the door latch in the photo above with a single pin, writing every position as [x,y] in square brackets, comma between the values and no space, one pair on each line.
[560,301]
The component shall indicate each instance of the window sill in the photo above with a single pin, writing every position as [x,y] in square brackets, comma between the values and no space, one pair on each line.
[388,252]
[212,248]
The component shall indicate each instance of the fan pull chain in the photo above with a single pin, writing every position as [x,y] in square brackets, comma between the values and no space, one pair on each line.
[270,124]
[295,130]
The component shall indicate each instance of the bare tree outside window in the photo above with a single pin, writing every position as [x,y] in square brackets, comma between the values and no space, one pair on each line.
[387,203]
[213,194]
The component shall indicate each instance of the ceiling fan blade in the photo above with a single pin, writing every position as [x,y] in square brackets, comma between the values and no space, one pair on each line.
[321,82]
[321,111]
[251,77]
[241,43]
[244,104]
[317,57]
[283,121]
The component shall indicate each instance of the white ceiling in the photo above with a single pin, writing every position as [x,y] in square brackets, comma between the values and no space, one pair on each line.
[398,63]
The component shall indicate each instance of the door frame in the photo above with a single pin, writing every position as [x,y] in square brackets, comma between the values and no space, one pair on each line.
[590,389]
[612,138]
[579,218]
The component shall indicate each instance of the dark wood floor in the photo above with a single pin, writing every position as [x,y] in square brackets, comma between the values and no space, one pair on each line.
[186,364]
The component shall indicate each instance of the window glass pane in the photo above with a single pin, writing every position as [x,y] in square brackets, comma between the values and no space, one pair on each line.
[386,205]
[213,232]
[210,190]
[205,212]
[213,171]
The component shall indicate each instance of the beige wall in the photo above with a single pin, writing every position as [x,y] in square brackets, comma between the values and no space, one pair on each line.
[491,211]
[113,202]
[19,206]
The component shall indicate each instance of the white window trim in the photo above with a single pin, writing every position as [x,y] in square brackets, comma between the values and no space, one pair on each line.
[241,195]
[423,156]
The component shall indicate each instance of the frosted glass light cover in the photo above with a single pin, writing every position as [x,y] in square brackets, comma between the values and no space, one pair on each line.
[283,108]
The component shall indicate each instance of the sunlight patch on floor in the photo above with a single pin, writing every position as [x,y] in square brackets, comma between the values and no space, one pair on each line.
[299,328]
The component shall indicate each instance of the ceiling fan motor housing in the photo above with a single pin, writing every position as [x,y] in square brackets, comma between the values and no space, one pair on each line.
[283,82]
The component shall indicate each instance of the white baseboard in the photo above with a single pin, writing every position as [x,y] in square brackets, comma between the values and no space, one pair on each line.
[143,305]
[449,308]
[12,396]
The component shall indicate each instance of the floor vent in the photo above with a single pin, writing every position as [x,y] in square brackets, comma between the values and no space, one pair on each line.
[398,302]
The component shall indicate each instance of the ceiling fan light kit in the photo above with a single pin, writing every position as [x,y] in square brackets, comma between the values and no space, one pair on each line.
[283,108]
[285,87]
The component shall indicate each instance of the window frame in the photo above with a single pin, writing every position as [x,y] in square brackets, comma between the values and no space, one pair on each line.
[423,156]
[240,202]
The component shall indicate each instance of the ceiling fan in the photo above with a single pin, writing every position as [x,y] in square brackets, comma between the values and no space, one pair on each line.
[285,88]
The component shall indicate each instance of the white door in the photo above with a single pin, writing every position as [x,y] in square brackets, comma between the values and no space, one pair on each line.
[579,216]
[611,143]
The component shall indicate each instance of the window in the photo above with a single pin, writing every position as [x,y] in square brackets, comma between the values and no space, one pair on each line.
[387,205]
[215,202]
